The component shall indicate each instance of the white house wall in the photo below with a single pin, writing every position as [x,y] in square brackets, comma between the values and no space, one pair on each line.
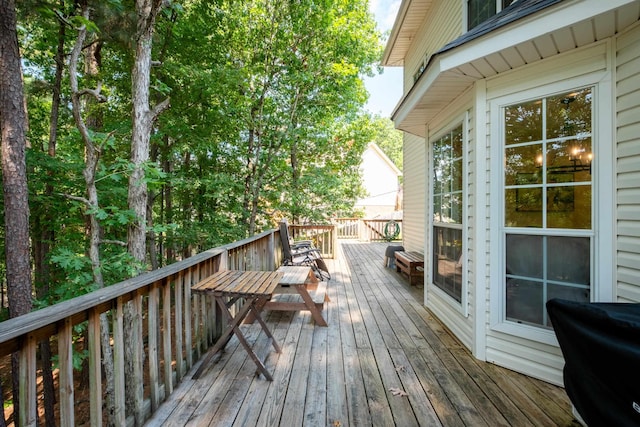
[535,358]
[458,318]
[380,181]
[441,26]
[628,165]
[413,204]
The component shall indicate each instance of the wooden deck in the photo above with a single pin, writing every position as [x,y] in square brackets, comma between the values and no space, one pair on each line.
[384,360]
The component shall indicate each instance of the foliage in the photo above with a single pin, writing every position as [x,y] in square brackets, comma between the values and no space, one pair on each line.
[265,122]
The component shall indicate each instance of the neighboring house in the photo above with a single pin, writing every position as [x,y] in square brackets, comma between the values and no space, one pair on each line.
[380,181]
[521,164]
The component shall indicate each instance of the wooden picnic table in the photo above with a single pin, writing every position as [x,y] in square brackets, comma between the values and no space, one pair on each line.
[300,280]
[253,289]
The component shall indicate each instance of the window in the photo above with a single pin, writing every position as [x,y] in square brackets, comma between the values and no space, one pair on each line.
[448,213]
[548,219]
[479,11]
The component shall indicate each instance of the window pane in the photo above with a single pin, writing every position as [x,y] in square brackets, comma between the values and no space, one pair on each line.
[437,208]
[569,207]
[456,142]
[525,301]
[524,255]
[456,175]
[569,260]
[523,122]
[572,293]
[523,207]
[569,157]
[456,208]
[445,209]
[523,165]
[569,114]
[447,265]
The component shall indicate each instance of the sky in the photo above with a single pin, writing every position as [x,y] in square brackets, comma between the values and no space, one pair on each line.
[384,89]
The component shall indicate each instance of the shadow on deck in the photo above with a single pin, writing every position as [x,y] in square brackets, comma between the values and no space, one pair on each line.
[383,360]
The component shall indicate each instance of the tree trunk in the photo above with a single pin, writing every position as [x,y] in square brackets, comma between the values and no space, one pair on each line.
[13,119]
[92,203]
[42,245]
[143,118]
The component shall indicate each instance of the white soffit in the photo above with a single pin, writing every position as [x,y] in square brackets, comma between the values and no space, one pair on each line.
[407,23]
[559,28]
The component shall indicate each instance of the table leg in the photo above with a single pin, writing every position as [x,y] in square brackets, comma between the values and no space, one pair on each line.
[226,335]
[308,301]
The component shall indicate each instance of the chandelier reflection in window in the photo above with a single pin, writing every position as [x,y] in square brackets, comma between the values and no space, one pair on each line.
[579,161]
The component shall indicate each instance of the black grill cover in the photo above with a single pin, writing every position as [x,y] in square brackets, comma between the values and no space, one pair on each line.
[600,343]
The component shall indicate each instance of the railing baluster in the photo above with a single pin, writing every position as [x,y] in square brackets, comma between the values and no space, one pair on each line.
[187,319]
[95,368]
[118,360]
[152,315]
[178,284]
[65,362]
[28,399]
[166,336]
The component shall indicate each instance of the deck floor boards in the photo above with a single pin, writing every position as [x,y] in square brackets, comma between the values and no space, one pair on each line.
[380,341]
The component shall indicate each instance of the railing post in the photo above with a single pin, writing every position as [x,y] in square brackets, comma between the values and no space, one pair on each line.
[27,392]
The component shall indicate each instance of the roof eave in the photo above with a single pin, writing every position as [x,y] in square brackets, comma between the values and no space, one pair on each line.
[444,79]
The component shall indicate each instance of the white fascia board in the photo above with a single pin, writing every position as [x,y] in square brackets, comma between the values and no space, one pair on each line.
[546,21]
[395,32]
[407,105]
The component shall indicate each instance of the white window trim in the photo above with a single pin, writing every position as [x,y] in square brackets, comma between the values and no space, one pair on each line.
[463,306]
[602,193]
[465,13]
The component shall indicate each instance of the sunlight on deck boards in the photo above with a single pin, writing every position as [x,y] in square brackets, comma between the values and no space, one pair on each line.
[384,360]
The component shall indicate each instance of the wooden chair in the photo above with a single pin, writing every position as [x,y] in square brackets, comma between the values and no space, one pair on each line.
[302,253]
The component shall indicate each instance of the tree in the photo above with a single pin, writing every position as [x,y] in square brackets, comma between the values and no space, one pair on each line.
[13,122]
[143,118]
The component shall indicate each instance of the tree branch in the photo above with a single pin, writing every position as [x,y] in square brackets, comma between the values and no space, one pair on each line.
[159,108]
[93,92]
[77,199]
[114,242]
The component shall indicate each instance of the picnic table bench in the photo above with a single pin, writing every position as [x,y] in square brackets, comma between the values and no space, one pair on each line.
[411,264]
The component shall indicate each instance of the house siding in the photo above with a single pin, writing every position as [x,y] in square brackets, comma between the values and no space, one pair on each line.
[456,317]
[532,357]
[414,193]
[628,165]
[440,27]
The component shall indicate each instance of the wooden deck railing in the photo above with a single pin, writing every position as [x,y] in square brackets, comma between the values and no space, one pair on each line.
[324,237]
[369,230]
[177,328]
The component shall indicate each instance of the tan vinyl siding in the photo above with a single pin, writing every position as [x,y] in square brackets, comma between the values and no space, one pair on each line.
[628,166]
[441,26]
[413,193]
[531,357]
[458,322]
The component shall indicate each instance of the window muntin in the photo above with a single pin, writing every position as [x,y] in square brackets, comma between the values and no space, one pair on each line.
[479,11]
[448,212]
[548,203]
